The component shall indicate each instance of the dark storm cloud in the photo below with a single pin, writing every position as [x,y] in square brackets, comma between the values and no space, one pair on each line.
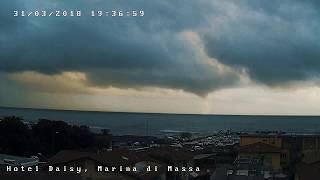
[122,52]
[276,41]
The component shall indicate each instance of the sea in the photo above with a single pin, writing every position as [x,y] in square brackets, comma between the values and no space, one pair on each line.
[156,124]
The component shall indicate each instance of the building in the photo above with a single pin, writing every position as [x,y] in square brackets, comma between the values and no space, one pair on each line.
[310,143]
[284,152]
[265,147]
[127,165]
[207,164]
[252,168]
[268,154]
[174,157]
[274,140]
[308,168]
[295,147]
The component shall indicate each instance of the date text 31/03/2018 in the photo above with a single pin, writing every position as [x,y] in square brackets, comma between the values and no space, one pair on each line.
[78,13]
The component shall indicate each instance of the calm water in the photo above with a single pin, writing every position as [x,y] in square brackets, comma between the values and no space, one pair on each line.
[153,124]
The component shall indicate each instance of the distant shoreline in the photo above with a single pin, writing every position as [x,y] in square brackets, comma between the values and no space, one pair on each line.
[178,114]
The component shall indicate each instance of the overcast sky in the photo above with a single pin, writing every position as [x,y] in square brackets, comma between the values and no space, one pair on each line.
[203,56]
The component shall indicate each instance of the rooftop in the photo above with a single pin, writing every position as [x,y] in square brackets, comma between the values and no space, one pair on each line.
[308,171]
[111,158]
[176,154]
[17,160]
[204,156]
[258,148]
[282,134]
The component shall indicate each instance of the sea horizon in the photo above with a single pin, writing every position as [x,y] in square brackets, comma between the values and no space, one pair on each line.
[156,124]
[164,113]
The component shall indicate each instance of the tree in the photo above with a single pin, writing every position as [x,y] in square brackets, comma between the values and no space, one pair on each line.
[46,137]
[58,135]
[16,137]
